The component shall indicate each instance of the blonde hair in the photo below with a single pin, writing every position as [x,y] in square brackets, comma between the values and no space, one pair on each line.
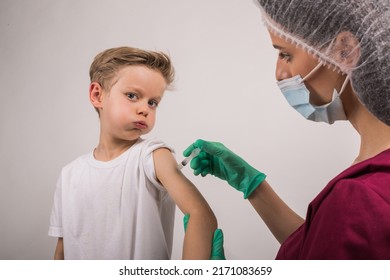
[108,63]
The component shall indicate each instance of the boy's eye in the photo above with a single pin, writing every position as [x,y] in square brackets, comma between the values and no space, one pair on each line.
[153,103]
[132,96]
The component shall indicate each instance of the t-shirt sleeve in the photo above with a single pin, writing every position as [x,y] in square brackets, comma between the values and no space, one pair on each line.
[148,162]
[352,223]
[55,228]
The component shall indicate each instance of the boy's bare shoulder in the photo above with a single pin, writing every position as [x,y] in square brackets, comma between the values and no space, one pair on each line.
[164,159]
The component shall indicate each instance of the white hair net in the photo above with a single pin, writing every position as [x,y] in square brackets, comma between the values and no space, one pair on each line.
[362,52]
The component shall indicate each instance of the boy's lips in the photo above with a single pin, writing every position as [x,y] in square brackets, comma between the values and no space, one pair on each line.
[140,125]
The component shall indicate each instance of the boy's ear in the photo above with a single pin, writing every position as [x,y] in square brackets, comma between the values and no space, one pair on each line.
[96,95]
[346,50]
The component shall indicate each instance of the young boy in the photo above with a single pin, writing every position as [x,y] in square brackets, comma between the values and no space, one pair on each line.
[118,201]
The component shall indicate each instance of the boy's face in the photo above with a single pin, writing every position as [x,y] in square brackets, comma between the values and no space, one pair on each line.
[128,110]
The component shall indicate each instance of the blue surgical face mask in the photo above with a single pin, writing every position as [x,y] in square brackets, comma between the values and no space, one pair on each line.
[298,96]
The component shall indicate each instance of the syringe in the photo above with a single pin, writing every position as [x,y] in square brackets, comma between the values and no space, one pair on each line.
[185,161]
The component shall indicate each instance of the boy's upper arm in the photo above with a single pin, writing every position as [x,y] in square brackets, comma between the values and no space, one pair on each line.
[182,191]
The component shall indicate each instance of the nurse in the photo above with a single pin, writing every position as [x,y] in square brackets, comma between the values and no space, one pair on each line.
[333,64]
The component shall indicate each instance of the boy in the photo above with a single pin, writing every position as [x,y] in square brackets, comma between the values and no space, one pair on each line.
[118,201]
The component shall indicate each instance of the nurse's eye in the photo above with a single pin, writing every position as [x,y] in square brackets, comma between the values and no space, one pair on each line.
[285,56]
[153,103]
[132,96]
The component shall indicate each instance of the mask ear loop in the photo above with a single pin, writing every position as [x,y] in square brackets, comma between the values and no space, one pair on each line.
[344,85]
[312,72]
[316,68]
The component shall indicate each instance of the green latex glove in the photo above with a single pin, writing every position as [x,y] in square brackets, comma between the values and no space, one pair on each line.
[217,160]
[217,251]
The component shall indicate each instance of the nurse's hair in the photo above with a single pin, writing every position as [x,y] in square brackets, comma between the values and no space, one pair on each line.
[108,63]
[351,36]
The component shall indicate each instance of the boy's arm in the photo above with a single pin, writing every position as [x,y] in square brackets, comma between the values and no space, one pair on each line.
[59,253]
[201,227]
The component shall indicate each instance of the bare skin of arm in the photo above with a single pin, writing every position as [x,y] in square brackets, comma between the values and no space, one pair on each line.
[280,219]
[59,253]
[202,222]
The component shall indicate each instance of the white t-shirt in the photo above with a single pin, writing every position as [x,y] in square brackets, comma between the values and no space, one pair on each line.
[115,209]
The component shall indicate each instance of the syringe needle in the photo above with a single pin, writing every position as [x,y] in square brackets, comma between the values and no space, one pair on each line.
[186,160]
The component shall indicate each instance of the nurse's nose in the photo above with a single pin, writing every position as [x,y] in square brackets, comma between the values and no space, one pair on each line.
[281,72]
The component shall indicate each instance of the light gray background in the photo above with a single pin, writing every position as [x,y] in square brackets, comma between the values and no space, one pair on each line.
[225,91]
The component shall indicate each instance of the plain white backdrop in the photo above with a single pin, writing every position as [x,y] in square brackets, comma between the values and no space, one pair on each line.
[225,91]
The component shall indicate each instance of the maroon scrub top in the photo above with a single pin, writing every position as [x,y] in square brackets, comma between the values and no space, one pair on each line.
[349,219]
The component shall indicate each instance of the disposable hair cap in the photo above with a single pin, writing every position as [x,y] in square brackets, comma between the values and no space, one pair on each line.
[352,36]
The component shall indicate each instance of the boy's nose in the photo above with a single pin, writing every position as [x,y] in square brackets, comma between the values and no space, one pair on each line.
[143,109]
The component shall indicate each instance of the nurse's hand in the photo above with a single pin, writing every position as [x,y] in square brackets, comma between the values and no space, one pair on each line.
[217,251]
[217,160]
